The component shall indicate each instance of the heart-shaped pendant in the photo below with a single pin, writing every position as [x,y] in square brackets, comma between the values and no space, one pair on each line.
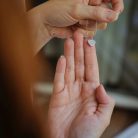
[91,42]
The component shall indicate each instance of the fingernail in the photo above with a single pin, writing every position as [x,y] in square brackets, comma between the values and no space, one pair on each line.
[62,56]
[112,16]
[117,15]
[102,26]
[61,60]
[91,34]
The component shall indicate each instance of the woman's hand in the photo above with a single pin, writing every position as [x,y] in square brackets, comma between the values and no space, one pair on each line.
[56,18]
[79,106]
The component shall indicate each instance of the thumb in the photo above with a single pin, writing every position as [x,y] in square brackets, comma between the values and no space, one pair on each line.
[102,96]
[97,13]
[105,102]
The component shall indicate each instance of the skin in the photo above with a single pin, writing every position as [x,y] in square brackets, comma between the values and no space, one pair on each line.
[47,25]
[79,106]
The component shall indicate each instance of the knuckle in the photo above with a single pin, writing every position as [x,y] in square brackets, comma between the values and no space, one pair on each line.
[89,66]
[80,63]
[69,68]
[79,67]
[80,78]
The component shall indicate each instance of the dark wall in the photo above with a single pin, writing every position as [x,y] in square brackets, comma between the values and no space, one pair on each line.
[37,2]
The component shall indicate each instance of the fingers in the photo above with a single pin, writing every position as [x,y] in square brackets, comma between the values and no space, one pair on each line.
[105,102]
[86,33]
[69,54]
[91,64]
[118,5]
[97,13]
[59,75]
[88,25]
[102,26]
[92,25]
[90,31]
[79,56]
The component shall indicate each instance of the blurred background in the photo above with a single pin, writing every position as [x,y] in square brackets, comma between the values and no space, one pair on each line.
[117,51]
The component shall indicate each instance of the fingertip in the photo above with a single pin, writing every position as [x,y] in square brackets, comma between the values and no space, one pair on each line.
[100,88]
[69,42]
[112,16]
[61,63]
[119,7]
[101,95]
[59,74]
[62,57]
[102,25]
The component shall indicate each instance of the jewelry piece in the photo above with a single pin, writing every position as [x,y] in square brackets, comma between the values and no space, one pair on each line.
[91,42]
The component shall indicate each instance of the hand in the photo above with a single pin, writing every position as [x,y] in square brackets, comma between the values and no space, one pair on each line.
[55,18]
[79,106]
[117,5]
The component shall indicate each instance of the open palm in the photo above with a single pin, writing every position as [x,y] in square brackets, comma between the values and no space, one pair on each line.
[79,107]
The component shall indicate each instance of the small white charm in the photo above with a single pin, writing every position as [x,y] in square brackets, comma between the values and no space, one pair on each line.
[91,42]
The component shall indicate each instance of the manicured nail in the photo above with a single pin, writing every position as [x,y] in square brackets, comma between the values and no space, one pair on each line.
[62,56]
[117,15]
[91,34]
[92,42]
[112,16]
